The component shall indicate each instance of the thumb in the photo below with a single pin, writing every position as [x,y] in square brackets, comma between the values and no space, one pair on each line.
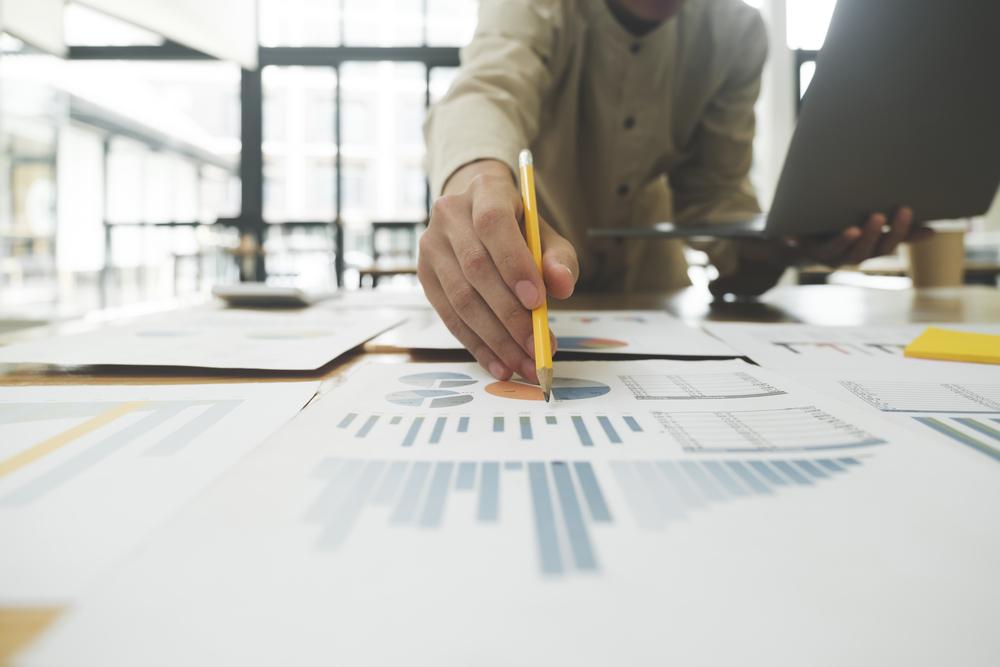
[560,267]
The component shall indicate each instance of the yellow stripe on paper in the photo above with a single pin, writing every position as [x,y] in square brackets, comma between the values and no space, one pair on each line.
[36,452]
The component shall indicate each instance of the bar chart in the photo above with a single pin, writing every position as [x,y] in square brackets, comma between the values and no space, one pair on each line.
[567,498]
[938,397]
[586,430]
[982,434]
[798,429]
[107,427]
[662,492]
[698,386]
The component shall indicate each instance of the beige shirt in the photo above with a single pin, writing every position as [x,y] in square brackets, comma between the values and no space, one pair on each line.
[625,130]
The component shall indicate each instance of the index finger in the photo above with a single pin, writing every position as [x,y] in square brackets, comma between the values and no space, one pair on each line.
[494,217]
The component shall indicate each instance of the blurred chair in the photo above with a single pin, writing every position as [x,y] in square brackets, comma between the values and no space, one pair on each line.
[393,250]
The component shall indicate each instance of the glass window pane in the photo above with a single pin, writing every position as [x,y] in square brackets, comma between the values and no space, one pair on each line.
[300,22]
[383,22]
[382,142]
[299,143]
[808,21]
[450,22]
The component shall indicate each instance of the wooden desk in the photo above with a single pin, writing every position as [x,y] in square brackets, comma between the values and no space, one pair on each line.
[813,304]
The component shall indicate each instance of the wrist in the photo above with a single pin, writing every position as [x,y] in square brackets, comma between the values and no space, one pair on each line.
[462,178]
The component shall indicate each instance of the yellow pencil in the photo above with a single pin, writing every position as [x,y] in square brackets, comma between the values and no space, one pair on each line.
[540,315]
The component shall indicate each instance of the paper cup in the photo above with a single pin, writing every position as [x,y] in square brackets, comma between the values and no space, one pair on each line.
[939,261]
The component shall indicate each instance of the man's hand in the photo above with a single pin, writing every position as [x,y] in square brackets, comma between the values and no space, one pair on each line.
[477,271]
[762,263]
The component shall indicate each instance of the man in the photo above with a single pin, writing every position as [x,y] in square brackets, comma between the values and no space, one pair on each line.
[636,111]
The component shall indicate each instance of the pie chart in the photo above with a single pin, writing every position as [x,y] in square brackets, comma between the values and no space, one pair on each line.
[563,389]
[444,380]
[588,343]
[428,398]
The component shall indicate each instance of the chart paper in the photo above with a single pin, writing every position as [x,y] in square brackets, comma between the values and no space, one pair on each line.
[796,347]
[639,332]
[292,340]
[813,535]
[86,472]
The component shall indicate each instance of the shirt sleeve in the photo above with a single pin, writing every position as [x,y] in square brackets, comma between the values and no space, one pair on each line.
[493,107]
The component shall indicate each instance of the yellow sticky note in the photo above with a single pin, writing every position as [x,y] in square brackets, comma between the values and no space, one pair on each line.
[948,345]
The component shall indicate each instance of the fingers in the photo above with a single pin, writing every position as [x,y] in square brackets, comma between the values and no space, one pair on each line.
[559,263]
[898,232]
[832,251]
[473,343]
[494,220]
[477,266]
[864,247]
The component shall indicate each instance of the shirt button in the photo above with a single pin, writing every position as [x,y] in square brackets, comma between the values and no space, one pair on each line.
[622,190]
[635,48]
[629,122]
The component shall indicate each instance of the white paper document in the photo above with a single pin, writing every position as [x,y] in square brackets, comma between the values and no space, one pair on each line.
[956,404]
[86,472]
[638,332]
[690,513]
[291,340]
[804,346]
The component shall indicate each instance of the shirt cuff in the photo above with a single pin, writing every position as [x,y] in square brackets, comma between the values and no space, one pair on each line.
[447,161]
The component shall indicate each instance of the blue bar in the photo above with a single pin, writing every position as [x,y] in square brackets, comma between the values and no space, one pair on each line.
[550,419]
[390,483]
[411,435]
[749,478]
[545,522]
[338,525]
[958,436]
[767,472]
[609,430]
[830,465]
[633,424]
[498,424]
[187,433]
[466,479]
[682,486]
[438,430]
[346,421]
[406,506]
[849,461]
[724,478]
[658,492]
[463,424]
[366,427]
[334,489]
[793,474]
[976,425]
[489,492]
[436,497]
[592,492]
[810,469]
[396,420]
[581,431]
[87,458]
[703,481]
[644,511]
[526,428]
[513,465]
[576,529]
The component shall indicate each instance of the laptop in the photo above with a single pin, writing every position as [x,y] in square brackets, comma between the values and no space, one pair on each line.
[904,109]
